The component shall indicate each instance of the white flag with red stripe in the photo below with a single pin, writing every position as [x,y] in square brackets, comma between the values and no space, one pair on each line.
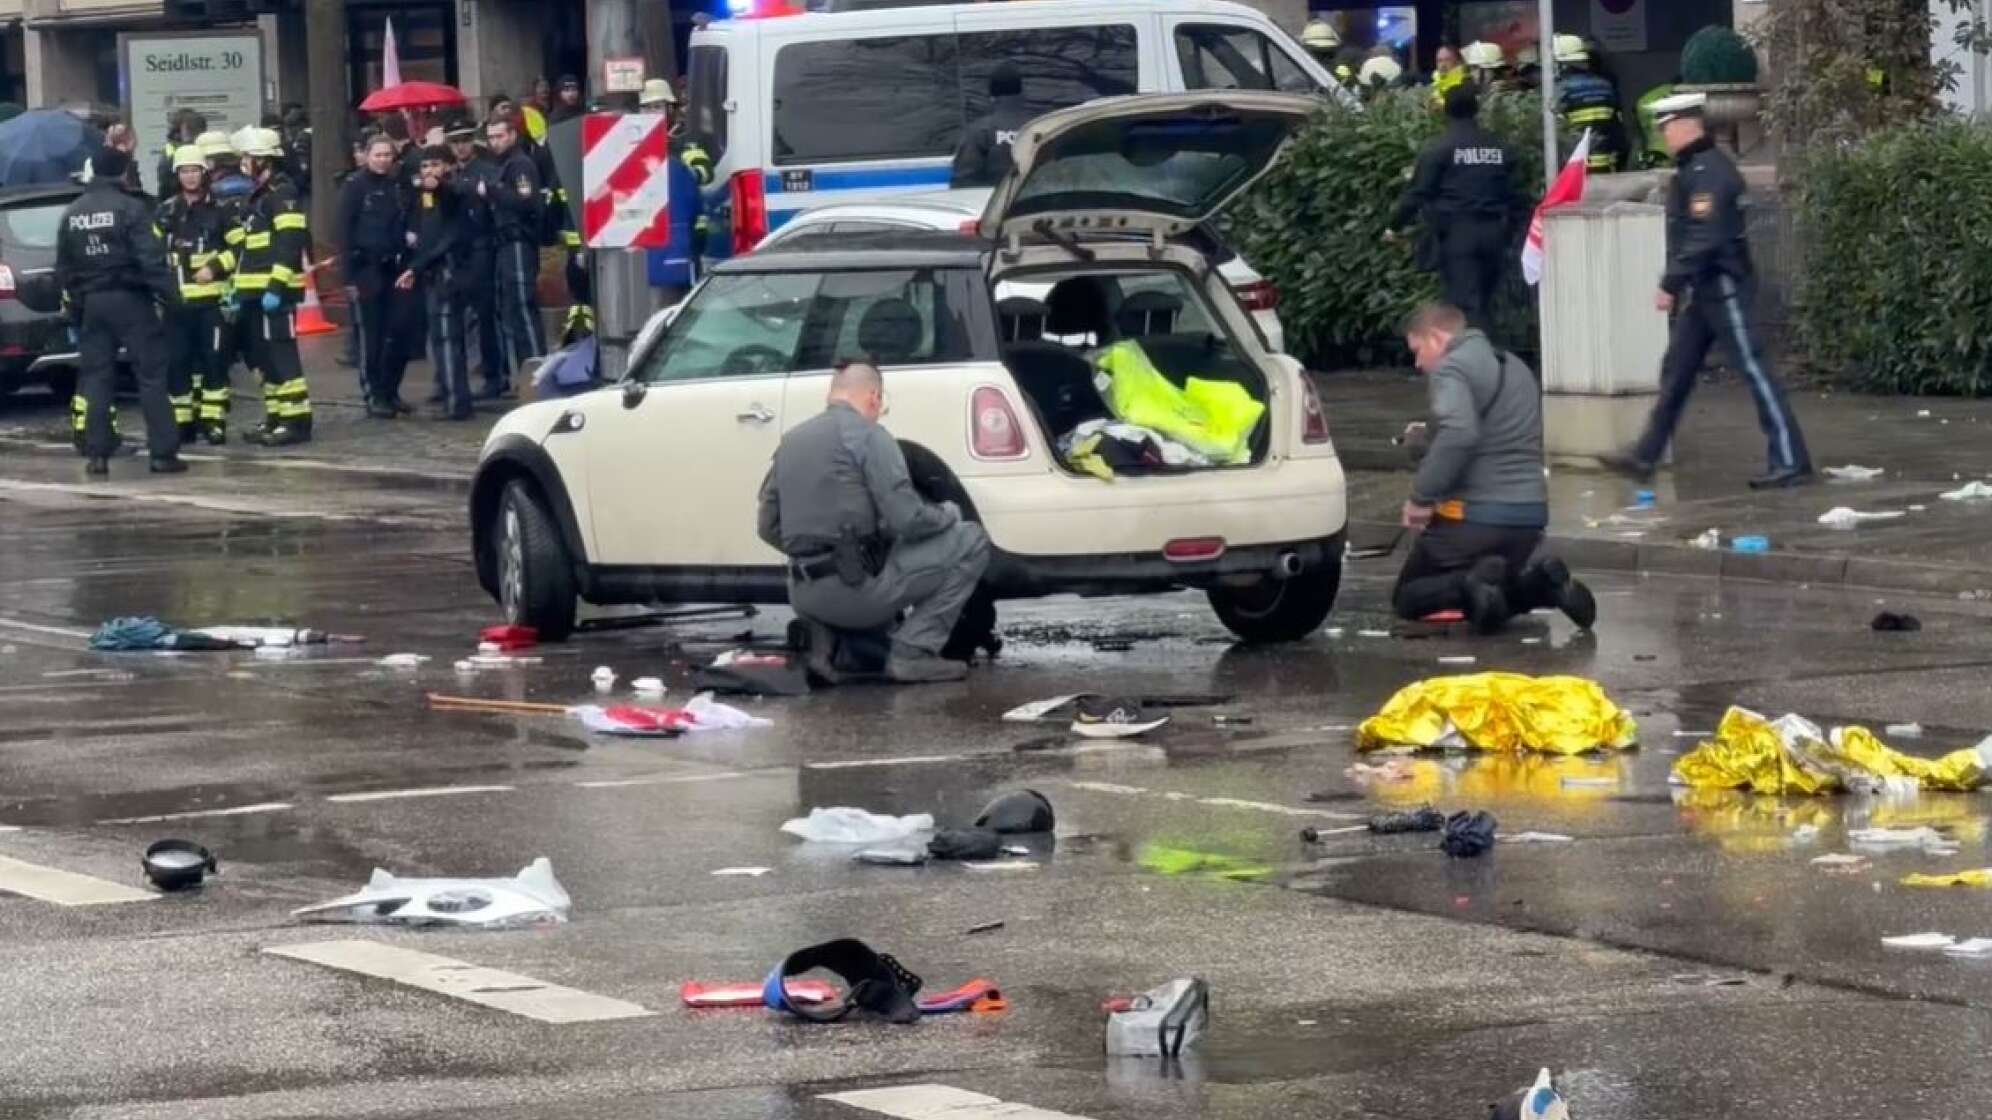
[1568,189]
[625,181]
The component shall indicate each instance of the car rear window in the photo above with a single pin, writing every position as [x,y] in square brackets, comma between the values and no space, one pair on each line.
[30,227]
[1180,167]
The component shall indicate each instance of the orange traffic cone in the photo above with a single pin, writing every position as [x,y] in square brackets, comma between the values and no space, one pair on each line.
[311,314]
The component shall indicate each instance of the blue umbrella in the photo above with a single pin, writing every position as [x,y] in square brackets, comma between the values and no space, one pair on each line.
[44,146]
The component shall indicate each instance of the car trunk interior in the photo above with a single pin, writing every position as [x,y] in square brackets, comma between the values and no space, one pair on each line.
[1059,324]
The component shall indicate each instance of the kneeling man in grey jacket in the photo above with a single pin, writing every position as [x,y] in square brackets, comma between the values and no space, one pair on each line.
[1479,502]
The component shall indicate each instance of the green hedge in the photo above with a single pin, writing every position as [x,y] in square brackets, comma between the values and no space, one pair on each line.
[1315,227]
[1895,292]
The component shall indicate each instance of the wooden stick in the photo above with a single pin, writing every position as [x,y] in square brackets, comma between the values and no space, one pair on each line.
[473,704]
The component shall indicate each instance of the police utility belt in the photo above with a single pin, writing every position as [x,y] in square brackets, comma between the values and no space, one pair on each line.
[853,559]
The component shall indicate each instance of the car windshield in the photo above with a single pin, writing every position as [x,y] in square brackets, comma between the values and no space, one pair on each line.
[735,326]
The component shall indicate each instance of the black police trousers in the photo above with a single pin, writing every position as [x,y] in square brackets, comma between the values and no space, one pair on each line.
[448,312]
[1718,310]
[387,321]
[1473,254]
[114,318]
[481,320]
[517,309]
[1434,575]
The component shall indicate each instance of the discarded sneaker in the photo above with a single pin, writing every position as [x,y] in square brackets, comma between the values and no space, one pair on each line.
[923,668]
[1426,819]
[874,982]
[1486,602]
[1102,718]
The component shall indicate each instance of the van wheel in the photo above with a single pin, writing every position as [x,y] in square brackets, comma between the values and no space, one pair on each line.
[535,577]
[1279,610]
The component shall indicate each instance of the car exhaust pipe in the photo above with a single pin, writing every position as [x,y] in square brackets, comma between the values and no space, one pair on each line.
[1287,565]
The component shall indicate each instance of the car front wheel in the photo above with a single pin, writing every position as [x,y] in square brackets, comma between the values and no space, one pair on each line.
[1279,610]
[535,576]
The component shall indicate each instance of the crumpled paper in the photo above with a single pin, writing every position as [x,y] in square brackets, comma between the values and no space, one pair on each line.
[1506,712]
[1792,755]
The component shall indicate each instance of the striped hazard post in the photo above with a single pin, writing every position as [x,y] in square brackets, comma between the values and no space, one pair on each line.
[626,180]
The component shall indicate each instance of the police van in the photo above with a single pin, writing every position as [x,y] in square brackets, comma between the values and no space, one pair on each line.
[804,108]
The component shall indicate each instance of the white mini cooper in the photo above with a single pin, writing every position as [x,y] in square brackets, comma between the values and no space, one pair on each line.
[645,491]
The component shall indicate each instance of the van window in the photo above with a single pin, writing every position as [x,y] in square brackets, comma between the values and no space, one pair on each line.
[1061,66]
[705,90]
[862,99]
[1215,56]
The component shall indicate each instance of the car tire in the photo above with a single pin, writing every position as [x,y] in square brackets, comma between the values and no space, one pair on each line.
[535,575]
[1279,610]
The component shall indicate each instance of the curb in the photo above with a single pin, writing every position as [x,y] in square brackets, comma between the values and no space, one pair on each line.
[1791,568]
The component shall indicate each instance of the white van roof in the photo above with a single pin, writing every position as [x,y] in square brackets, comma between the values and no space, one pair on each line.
[1023,11]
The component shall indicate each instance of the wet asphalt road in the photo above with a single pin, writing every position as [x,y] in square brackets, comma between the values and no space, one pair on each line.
[1361,977]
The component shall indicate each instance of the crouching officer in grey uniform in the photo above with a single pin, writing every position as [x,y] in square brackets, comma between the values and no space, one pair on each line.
[862,545]
[111,266]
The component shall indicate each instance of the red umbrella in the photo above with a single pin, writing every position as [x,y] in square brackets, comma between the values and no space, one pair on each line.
[412,95]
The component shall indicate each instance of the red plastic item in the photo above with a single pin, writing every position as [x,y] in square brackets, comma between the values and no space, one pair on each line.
[1445,616]
[1114,1005]
[509,637]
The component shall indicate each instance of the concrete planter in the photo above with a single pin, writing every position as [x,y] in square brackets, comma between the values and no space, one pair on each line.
[1733,110]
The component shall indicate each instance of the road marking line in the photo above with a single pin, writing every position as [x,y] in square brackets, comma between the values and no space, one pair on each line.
[58,631]
[195,814]
[1216,802]
[940,1102]
[431,791]
[852,764]
[487,987]
[64,888]
[662,780]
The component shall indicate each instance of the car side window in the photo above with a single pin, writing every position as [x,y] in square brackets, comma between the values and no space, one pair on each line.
[1214,56]
[891,317]
[742,325]
[884,97]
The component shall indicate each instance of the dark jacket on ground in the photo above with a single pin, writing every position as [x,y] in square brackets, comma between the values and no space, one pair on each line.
[1705,231]
[1484,447]
[107,242]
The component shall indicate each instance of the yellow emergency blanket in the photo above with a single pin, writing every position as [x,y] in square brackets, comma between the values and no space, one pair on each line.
[1792,755]
[1977,877]
[1500,712]
[1213,418]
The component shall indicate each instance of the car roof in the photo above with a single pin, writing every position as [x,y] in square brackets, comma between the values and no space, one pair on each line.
[39,192]
[858,251]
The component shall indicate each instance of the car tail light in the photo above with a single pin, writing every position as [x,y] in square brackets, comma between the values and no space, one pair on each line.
[1191,550]
[996,433]
[1259,295]
[969,226]
[750,210]
[6,282]
[1313,421]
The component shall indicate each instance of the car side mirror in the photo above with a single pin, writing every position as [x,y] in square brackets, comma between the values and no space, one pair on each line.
[633,392]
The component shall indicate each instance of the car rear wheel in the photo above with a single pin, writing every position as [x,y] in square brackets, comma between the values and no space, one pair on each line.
[535,576]
[1279,610]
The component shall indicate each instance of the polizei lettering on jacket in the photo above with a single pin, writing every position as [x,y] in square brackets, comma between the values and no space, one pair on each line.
[102,219]
[1479,157]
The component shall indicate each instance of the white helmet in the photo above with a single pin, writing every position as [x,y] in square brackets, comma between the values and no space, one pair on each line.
[1379,71]
[656,91]
[1484,56]
[1571,48]
[189,155]
[1320,35]
[263,143]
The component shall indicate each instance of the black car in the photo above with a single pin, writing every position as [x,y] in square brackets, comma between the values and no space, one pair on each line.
[34,337]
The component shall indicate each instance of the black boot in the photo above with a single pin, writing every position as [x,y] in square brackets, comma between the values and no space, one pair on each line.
[170,464]
[1559,589]
[97,467]
[1628,464]
[1486,599]
[1782,477]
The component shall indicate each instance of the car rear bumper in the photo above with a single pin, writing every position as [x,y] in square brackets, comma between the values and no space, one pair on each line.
[33,347]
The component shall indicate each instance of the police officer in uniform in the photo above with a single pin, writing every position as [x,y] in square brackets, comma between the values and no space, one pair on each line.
[111,267]
[474,165]
[1588,99]
[863,546]
[441,250]
[195,228]
[675,269]
[1464,191]
[983,156]
[373,240]
[516,205]
[269,284]
[1710,286]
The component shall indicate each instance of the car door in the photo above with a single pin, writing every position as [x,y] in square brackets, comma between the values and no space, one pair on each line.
[677,456]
